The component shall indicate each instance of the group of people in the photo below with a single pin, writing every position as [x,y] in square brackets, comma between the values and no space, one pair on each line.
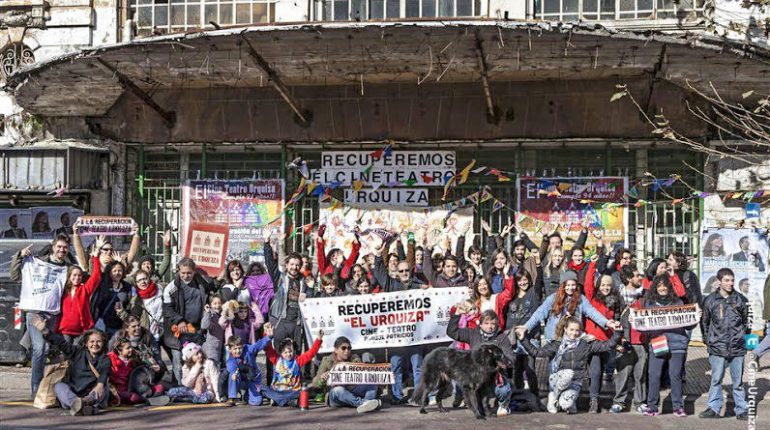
[113,319]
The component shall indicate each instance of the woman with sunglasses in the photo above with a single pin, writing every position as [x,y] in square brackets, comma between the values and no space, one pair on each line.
[146,305]
[107,252]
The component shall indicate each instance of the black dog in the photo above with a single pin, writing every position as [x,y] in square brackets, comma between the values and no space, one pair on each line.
[474,370]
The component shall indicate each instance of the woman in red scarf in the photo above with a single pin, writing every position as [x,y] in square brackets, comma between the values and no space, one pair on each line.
[578,264]
[75,310]
[146,305]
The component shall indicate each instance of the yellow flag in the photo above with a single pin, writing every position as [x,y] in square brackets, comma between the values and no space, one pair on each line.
[465,172]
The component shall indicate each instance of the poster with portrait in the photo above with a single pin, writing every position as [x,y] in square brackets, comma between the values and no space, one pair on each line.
[427,224]
[251,209]
[745,252]
[50,221]
[15,224]
[567,205]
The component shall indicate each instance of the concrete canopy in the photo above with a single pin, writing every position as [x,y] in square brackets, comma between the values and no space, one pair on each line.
[86,83]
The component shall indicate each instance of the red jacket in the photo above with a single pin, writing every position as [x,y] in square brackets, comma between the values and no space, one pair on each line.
[502,300]
[675,281]
[302,359]
[120,371]
[324,268]
[75,310]
[589,288]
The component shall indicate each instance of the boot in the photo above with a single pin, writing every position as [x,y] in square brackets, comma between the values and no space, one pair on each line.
[594,406]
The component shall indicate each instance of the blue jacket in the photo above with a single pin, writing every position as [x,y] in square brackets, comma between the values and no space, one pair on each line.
[237,366]
[544,311]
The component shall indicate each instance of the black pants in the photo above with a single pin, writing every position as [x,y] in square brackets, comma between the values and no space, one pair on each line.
[597,362]
[525,365]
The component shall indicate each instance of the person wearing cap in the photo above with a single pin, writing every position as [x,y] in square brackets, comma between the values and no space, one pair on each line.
[362,397]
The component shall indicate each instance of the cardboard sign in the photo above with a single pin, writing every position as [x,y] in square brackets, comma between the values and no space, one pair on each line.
[361,374]
[663,318]
[207,246]
[104,225]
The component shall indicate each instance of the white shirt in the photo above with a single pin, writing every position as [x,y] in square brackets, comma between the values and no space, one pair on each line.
[42,285]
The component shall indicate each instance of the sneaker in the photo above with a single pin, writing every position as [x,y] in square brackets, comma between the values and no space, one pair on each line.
[230,403]
[503,411]
[159,400]
[551,406]
[641,408]
[76,407]
[650,412]
[319,398]
[743,417]
[594,406]
[368,406]
[412,403]
[458,402]
[708,413]
[89,410]
[679,412]
[432,401]
[272,402]
[616,409]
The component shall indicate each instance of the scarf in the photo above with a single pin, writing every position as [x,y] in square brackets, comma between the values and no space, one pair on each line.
[487,336]
[565,345]
[148,292]
[576,267]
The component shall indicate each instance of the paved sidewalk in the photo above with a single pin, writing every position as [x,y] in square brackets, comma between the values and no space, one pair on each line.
[16,411]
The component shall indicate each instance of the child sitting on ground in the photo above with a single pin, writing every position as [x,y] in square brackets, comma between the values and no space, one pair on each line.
[244,373]
[199,377]
[124,360]
[569,363]
[285,387]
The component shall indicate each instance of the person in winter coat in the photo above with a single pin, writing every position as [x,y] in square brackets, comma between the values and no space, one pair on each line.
[519,311]
[285,387]
[487,333]
[631,358]
[661,294]
[569,362]
[124,360]
[334,262]
[606,299]
[215,333]
[183,302]
[284,315]
[112,294]
[552,272]
[677,263]
[725,322]
[75,310]
[449,275]
[362,397]
[149,265]
[146,305]
[200,378]
[244,375]
[84,389]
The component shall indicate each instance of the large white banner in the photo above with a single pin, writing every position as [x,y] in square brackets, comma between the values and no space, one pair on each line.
[433,223]
[385,320]
[422,168]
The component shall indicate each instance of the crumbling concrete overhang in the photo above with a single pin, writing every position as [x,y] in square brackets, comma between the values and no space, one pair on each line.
[88,82]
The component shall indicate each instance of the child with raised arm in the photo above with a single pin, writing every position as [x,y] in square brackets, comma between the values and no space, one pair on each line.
[244,373]
[286,384]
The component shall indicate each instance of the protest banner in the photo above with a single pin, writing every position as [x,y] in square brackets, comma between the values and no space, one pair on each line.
[745,252]
[104,225]
[433,222]
[569,204]
[385,320]
[42,285]
[206,245]
[420,168]
[361,374]
[252,209]
[666,317]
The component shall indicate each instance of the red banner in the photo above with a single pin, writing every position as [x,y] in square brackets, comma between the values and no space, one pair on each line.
[207,246]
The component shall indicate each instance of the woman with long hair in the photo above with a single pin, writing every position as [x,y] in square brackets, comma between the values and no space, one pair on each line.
[75,310]
[552,271]
[714,246]
[499,266]
[233,287]
[519,310]
[485,299]
[110,297]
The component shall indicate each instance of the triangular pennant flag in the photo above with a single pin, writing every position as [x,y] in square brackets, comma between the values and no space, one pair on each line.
[478,170]
[318,190]
[485,196]
[368,169]
[447,185]
[465,172]
[387,150]
[307,229]
[427,179]
[564,186]
[633,192]
[335,204]
[311,186]
[357,185]
[334,185]
[503,178]
[377,154]
[497,206]
[376,186]
[409,182]
[474,198]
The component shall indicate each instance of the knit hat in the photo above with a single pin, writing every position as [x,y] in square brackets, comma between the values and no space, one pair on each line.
[189,350]
[568,275]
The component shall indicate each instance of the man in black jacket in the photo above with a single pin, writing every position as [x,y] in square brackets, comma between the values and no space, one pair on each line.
[487,333]
[183,302]
[725,322]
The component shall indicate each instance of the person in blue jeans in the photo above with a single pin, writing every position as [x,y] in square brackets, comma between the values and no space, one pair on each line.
[244,373]
[725,322]
[397,358]
[362,397]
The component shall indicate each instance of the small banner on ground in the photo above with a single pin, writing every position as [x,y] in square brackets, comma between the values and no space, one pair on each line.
[361,374]
[207,246]
[104,225]
[385,320]
[434,222]
[663,318]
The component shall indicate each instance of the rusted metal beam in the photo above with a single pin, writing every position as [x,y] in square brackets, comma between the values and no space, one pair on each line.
[654,76]
[168,117]
[492,116]
[275,81]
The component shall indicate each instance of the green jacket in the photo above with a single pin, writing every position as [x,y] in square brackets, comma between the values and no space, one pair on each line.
[327,363]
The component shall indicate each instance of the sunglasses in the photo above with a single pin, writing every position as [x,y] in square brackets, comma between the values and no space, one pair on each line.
[105,249]
[345,348]
[403,271]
